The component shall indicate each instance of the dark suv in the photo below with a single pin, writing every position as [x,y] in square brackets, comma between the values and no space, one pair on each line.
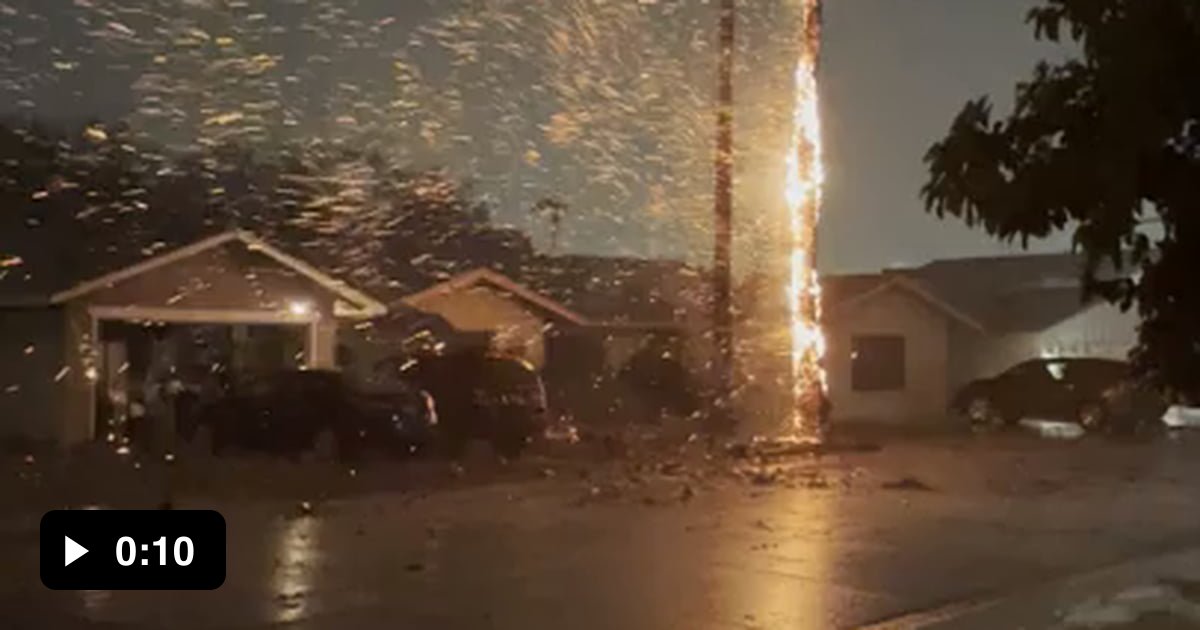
[480,396]
[1098,394]
[293,412]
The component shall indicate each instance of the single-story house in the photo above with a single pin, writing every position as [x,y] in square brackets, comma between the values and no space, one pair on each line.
[901,342]
[580,319]
[75,349]
[481,306]
[541,310]
[577,318]
[630,302]
[80,338]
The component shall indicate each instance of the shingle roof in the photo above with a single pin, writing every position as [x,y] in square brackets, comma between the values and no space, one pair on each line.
[494,279]
[1006,294]
[838,289]
[1010,294]
[619,290]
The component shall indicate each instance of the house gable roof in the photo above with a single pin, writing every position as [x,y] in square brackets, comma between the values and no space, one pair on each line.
[916,289]
[1003,294]
[363,306]
[1009,293]
[499,281]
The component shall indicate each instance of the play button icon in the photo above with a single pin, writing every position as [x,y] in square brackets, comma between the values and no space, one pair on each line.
[131,550]
[73,551]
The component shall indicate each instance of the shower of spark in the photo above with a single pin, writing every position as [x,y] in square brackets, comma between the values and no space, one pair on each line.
[805,176]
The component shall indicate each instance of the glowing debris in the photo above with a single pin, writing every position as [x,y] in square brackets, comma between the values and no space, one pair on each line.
[95,134]
[121,28]
[225,119]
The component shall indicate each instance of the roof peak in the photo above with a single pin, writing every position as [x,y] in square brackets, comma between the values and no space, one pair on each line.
[1022,257]
[366,306]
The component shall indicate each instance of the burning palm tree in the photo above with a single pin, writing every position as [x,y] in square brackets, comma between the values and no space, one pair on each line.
[805,177]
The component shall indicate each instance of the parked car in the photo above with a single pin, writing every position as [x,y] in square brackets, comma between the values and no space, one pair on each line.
[293,412]
[1098,394]
[480,396]
[659,380]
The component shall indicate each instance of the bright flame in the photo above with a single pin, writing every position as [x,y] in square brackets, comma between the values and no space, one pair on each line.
[805,177]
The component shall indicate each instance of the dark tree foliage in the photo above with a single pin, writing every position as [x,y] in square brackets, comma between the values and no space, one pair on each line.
[1106,144]
[93,198]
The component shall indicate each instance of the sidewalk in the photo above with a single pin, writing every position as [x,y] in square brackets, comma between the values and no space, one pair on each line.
[1155,593]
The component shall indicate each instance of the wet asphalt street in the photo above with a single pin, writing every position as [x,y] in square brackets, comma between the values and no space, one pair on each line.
[839,543]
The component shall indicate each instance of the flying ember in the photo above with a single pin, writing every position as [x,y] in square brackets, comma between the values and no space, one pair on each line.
[805,176]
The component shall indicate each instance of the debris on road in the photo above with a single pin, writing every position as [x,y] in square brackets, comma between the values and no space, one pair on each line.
[907,483]
[1053,429]
[1161,605]
[671,468]
[764,448]
[598,493]
[765,476]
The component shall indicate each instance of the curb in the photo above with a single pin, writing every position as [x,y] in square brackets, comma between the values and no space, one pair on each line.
[1043,604]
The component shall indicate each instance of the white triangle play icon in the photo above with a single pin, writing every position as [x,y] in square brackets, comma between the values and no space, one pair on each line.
[74,551]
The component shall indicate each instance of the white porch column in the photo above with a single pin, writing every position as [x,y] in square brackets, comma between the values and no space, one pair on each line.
[322,345]
[81,369]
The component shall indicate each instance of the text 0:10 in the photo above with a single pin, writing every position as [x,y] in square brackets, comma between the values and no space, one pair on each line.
[127,551]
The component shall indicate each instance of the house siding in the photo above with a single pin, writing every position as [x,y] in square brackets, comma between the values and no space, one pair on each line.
[32,386]
[926,332]
[1102,330]
[1099,331]
[975,355]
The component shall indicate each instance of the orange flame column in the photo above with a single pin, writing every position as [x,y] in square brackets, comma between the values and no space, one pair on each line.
[805,178]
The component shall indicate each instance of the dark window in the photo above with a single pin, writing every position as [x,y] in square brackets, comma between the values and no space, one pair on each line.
[877,363]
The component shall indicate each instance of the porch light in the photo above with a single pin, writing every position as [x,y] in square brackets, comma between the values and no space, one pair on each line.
[300,308]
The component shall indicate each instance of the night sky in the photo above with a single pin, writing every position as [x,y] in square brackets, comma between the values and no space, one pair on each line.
[606,107]
[897,72]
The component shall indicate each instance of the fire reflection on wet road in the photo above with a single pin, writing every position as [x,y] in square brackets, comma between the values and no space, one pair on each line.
[294,578]
[835,550]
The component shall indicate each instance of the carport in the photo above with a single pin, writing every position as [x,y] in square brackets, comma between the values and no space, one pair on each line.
[231,287]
